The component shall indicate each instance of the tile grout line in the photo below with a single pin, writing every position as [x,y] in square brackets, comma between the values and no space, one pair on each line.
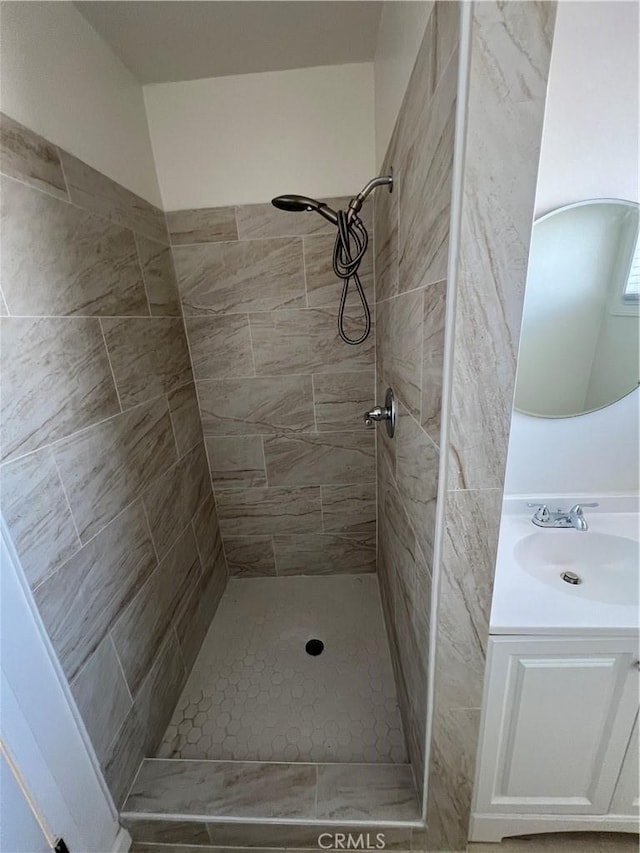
[142,273]
[121,668]
[113,375]
[66,497]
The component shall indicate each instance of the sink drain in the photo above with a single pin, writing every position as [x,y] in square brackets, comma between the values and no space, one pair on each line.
[571,577]
[314,647]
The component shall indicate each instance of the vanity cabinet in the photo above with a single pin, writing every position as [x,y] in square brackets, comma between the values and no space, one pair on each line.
[558,746]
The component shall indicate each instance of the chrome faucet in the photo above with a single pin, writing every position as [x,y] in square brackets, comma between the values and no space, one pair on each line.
[573,517]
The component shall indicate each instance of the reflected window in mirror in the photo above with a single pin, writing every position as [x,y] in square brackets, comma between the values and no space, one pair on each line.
[580,340]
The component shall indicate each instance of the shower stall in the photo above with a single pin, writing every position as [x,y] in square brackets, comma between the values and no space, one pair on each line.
[269,608]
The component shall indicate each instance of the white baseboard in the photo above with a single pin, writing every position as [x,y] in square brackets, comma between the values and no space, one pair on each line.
[122,842]
[495,827]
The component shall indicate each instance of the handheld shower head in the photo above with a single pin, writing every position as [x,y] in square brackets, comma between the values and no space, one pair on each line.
[300,203]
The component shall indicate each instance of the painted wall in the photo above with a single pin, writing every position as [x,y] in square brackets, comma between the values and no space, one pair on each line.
[589,150]
[105,487]
[281,395]
[59,78]
[246,138]
[411,288]
[402,26]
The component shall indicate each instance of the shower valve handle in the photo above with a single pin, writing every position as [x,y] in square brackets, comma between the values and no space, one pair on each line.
[383,413]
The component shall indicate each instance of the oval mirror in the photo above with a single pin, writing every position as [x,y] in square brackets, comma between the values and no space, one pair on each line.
[580,326]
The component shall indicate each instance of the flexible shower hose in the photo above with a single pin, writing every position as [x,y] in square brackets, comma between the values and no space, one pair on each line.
[350,246]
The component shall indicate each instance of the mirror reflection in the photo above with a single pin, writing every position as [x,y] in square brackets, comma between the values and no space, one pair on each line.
[580,329]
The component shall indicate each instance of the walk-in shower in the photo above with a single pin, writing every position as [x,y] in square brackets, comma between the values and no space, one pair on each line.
[350,246]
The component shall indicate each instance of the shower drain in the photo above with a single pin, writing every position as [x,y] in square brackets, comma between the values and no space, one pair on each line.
[314,647]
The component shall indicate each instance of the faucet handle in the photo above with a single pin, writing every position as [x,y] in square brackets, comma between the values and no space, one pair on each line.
[577,508]
[542,512]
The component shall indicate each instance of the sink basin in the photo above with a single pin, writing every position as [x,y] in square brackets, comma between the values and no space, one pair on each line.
[607,565]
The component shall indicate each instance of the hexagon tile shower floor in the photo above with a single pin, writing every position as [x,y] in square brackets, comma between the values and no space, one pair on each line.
[256,694]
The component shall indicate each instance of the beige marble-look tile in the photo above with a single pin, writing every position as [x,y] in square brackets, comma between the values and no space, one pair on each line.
[148,356]
[195,620]
[307,342]
[386,232]
[341,399]
[241,789]
[325,553]
[185,417]
[56,380]
[367,791]
[30,158]
[447,33]
[166,831]
[4,311]
[324,288]
[172,499]
[102,696]
[236,461]
[37,514]
[160,691]
[455,734]
[327,458]
[257,221]
[348,509]
[220,346]
[256,406]
[417,464]
[202,225]
[106,467]
[435,297]
[97,193]
[206,528]
[259,512]
[159,276]
[427,166]
[250,556]
[82,600]
[400,336]
[468,565]
[221,278]
[124,757]
[59,260]
[142,628]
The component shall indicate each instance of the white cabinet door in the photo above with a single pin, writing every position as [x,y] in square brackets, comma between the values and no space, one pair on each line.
[558,715]
[626,797]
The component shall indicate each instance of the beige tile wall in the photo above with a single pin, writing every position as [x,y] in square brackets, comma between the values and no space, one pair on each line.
[510,53]
[281,396]
[104,482]
[411,238]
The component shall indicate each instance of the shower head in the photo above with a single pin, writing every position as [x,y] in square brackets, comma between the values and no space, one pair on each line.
[299,203]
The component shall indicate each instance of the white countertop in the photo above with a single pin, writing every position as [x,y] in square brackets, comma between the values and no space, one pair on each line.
[523,604]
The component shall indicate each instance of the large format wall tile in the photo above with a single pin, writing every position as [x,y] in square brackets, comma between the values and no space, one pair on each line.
[324,288]
[172,500]
[349,509]
[160,691]
[320,458]
[159,277]
[435,299]
[124,756]
[204,225]
[220,346]
[255,512]
[102,675]
[60,260]
[45,398]
[250,556]
[307,341]
[206,528]
[236,461]
[341,399]
[256,406]
[94,191]
[37,514]
[83,599]
[142,628]
[261,275]
[400,333]
[29,158]
[325,553]
[106,467]
[185,417]
[148,356]
[257,221]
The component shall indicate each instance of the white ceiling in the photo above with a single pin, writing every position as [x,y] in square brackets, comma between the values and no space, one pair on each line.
[169,41]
